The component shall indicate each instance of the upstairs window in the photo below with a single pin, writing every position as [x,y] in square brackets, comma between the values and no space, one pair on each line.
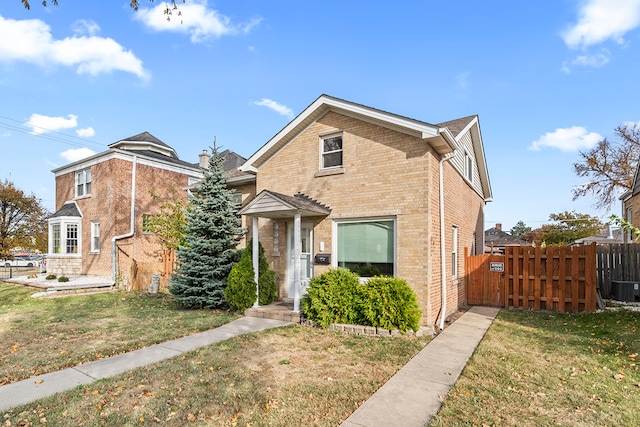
[468,166]
[332,151]
[83,183]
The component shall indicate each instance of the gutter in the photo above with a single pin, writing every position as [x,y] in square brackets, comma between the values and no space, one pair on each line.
[443,251]
[114,261]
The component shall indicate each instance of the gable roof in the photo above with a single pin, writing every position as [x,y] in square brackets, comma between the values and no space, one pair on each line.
[270,204]
[440,138]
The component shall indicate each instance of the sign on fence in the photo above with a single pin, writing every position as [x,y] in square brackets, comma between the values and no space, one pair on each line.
[497,267]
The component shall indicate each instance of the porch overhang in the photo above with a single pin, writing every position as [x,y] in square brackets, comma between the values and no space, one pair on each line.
[269,204]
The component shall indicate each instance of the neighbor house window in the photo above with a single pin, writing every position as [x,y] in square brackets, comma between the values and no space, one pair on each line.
[64,236]
[367,247]
[468,166]
[55,238]
[95,236]
[332,151]
[454,251]
[83,183]
[72,238]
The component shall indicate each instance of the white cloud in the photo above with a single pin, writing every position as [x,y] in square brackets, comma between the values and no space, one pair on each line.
[85,132]
[195,18]
[567,139]
[85,27]
[32,42]
[40,124]
[273,105]
[595,61]
[75,154]
[602,20]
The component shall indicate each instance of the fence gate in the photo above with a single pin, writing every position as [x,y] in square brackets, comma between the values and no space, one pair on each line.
[554,278]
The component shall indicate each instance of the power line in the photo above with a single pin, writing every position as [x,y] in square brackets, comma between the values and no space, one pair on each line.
[51,135]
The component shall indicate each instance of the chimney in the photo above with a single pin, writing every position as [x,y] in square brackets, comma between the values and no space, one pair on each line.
[204,159]
[499,226]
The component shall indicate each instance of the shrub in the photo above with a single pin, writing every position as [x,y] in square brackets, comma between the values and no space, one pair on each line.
[63,279]
[333,297]
[384,302]
[241,288]
[390,303]
[50,276]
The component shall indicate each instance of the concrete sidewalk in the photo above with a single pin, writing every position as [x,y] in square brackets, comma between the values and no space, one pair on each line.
[414,394]
[22,392]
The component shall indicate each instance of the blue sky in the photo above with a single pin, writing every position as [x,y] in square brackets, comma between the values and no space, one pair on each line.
[547,79]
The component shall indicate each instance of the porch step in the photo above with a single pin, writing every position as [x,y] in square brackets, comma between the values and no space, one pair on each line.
[269,312]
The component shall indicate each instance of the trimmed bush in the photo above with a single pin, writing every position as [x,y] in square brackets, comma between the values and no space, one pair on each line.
[390,303]
[333,297]
[50,276]
[63,279]
[241,289]
[337,296]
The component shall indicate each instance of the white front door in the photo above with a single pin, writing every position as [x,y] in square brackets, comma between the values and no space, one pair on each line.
[306,260]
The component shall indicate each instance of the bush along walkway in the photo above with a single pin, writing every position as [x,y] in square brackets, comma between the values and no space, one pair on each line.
[414,395]
[22,392]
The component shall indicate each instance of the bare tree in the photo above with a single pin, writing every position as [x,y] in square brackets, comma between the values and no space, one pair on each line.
[609,166]
[171,5]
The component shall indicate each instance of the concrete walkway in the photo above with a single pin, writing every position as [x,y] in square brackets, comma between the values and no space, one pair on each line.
[22,392]
[414,394]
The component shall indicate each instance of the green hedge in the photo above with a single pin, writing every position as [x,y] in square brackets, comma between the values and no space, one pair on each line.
[333,297]
[337,296]
[241,288]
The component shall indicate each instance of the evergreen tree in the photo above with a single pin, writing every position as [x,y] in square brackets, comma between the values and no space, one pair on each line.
[212,233]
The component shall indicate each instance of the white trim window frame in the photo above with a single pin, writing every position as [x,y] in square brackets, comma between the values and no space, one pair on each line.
[454,251]
[372,259]
[65,236]
[468,166]
[95,237]
[83,183]
[331,151]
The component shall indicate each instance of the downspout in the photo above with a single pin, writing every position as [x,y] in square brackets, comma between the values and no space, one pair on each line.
[114,263]
[443,251]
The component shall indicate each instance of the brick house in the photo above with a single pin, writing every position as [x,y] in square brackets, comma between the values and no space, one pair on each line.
[631,206]
[496,240]
[348,185]
[102,202]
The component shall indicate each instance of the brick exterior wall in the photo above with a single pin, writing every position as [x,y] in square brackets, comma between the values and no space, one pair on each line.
[110,204]
[632,203]
[386,174]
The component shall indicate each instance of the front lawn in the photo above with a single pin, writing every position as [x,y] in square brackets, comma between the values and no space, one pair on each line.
[44,335]
[289,376]
[547,369]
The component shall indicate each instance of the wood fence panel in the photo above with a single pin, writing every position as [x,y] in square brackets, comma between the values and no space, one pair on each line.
[553,278]
[483,285]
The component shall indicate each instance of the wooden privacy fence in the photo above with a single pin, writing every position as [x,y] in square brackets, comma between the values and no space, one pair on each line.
[141,272]
[554,278]
[619,262]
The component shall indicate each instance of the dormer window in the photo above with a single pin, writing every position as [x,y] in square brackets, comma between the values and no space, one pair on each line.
[83,183]
[332,151]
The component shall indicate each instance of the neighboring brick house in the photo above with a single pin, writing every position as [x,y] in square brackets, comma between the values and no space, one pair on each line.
[98,228]
[631,206]
[348,185]
[495,240]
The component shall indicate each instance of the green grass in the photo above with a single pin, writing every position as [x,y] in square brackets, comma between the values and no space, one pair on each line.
[281,377]
[548,369]
[44,335]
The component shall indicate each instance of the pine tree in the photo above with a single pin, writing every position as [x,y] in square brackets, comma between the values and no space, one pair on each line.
[212,234]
